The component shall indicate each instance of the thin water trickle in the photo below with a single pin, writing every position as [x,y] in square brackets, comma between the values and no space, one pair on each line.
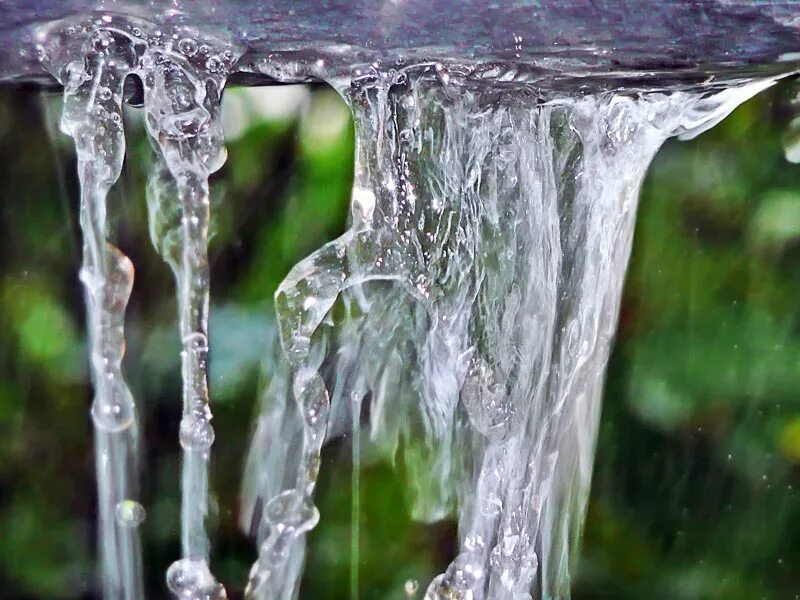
[93,58]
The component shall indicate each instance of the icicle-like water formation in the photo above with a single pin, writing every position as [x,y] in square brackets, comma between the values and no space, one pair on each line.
[182,87]
[182,74]
[479,285]
[93,86]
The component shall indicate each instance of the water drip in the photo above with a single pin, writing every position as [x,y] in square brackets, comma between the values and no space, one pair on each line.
[468,310]
[181,93]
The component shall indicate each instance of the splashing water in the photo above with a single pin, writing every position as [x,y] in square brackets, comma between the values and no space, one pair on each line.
[469,308]
[182,74]
[479,284]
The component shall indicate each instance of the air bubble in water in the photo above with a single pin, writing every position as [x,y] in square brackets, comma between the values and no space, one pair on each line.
[215,64]
[290,510]
[191,579]
[112,417]
[187,46]
[196,433]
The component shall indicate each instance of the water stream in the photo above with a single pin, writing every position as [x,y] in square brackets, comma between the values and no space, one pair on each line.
[464,319]
[182,75]
[477,290]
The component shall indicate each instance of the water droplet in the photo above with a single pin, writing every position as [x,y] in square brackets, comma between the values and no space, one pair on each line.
[411,587]
[214,64]
[196,433]
[112,417]
[130,513]
[187,46]
[290,510]
[190,578]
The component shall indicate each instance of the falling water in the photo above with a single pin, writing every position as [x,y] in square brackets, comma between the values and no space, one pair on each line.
[182,75]
[93,117]
[478,288]
[467,312]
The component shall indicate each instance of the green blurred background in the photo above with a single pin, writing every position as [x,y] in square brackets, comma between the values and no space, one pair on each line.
[695,493]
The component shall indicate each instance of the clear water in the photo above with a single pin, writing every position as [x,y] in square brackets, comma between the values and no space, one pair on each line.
[182,78]
[466,315]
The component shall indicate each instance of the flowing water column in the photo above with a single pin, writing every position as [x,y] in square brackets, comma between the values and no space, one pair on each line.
[500,228]
[93,77]
[520,524]
[303,301]
[183,82]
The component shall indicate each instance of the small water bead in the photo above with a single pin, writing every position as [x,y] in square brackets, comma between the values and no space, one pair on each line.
[440,589]
[204,49]
[411,586]
[464,572]
[290,510]
[214,64]
[191,579]
[104,93]
[112,417]
[187,47]
[101,40]
[130,513]
[196,433]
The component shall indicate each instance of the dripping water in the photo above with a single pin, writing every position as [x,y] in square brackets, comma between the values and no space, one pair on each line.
[182,75]
[479,284]
[480,281]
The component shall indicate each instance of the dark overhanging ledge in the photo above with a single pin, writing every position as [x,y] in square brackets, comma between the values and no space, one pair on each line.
[607,39]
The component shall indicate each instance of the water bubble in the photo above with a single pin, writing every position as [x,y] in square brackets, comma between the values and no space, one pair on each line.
[411,586]
[214,64]
[130,513]
[440,589]
[291,510]
[104,93]
[101,40]
[112,416]
[196,433]
[191,579]
[204,49]
[187,46]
